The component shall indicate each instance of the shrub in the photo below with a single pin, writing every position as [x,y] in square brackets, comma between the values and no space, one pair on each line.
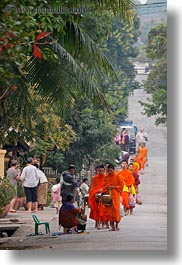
[7,191]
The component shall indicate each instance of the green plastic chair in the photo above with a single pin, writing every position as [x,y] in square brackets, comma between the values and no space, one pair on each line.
[37,223]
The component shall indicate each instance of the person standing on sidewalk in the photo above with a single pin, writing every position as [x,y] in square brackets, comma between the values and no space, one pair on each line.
[124,140]
[13,177]
[30,180]
[41,188]
[84,188]
[117,139]
[69,184]
[55,195]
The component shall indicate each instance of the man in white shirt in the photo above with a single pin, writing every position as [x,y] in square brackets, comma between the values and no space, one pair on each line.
[30,180]
[141,137]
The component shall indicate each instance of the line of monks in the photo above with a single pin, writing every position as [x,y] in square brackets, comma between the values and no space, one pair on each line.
[141,156]
[116,186]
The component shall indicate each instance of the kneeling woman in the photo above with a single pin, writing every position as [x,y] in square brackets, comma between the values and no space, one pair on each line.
[72,217]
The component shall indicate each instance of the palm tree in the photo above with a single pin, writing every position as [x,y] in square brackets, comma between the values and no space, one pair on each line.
[72,65]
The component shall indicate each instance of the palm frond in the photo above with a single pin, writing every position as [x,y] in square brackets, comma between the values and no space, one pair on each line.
[118,7]
[55,78]
[59,84]
[20,100]
[92,54]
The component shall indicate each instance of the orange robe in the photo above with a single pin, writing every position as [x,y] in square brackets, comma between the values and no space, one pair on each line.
[137,159]
[143,155]
[136,167]
[113,212]
[128,180]
[96,208]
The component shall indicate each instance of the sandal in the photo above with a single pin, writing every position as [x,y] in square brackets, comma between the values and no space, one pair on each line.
[112,229]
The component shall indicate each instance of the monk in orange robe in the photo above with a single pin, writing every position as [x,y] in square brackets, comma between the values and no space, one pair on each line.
[137,158]
[137,182]
[113,184]
[129,182]
[96,207]
[136,166]
[143,155]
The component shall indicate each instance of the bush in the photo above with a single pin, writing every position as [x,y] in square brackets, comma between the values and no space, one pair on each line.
[7,191]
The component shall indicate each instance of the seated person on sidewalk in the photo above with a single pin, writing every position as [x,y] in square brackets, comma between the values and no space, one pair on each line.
[72,217]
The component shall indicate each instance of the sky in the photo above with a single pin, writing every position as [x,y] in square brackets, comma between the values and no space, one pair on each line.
[142,1]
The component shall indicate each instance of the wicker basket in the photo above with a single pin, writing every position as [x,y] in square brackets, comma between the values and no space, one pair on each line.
[107,199]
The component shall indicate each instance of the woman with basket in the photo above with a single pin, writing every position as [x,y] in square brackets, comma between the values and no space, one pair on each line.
[112,189]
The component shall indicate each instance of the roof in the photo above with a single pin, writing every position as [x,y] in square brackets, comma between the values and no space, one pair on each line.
[126,123]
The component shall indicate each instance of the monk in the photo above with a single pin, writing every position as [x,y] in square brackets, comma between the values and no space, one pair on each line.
[136,166]
[137,159]
[113,184]
[96,207]
[142,151]
[137,182]
[128,188]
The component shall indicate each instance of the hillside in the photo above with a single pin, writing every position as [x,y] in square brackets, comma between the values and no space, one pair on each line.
[151,14]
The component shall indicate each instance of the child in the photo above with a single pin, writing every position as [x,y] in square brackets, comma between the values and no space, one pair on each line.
[84,188]
[55,195]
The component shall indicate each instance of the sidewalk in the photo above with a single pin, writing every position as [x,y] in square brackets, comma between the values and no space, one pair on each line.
[145,230]
[24,235]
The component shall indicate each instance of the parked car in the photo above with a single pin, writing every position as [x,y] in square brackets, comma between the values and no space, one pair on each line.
[132,131]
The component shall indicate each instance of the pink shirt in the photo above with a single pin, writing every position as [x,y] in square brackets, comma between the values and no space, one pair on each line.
[117,139]
[55,193]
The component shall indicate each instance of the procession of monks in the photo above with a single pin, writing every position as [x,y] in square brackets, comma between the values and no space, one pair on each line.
[111,190]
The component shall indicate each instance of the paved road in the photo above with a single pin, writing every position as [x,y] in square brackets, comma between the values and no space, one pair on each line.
[145,230]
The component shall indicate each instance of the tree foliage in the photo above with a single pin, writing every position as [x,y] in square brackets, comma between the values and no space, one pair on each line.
[156,83]
[121,50]
[72,64]
[61,99]
[95,129]
[94,132]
